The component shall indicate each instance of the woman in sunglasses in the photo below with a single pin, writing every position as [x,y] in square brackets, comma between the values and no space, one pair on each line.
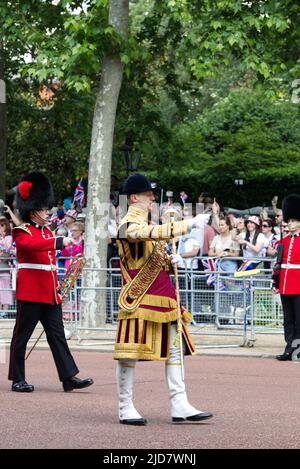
[267,228]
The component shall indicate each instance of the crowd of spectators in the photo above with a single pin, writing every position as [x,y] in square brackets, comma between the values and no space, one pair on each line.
[226,236]
[223,236]
[7,252]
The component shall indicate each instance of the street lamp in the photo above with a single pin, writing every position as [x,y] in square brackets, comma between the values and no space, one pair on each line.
[132,156]
[239,182]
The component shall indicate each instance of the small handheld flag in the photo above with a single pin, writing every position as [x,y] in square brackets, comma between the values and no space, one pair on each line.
[79,196]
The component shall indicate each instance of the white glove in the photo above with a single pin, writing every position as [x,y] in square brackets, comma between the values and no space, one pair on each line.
[67,241]
[176,259]
[112,229]
[198,221]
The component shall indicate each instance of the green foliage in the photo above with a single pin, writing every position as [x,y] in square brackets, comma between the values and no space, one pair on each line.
[64,40]
[203,96]
[55,140]
[244,137]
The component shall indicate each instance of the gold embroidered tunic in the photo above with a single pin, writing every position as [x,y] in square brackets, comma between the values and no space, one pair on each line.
[147,303]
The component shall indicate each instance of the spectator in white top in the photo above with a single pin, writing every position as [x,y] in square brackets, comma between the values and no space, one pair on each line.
[252,241]
[188,248]
[224,246]
[190,245]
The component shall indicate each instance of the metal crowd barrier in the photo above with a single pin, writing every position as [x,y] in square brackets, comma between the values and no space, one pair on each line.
[237,307]
[7,291]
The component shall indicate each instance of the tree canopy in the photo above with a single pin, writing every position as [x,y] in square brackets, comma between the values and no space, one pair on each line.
[205,94]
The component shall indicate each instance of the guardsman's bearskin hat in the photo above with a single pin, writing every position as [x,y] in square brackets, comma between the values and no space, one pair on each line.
[136,183]
[291,207]
[34,192]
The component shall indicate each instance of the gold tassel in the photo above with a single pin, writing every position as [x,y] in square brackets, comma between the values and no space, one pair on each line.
[177,338]
[176,341]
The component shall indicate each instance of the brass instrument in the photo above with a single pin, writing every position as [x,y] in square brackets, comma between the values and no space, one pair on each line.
[65,286]
[72,274]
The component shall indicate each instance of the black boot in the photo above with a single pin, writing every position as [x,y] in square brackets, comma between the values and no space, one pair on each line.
[76,383]
[286,356]
[22,386]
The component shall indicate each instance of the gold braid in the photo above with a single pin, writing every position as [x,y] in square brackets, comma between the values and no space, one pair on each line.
[133,292]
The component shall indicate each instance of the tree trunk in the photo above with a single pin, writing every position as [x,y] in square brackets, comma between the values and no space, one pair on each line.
[2,125]
[93,299]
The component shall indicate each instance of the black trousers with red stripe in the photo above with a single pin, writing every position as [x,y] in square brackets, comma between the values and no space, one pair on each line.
[28,315]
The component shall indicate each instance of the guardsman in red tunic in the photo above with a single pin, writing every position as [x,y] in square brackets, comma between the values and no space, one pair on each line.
[289,276]
[147,318]
[37,294]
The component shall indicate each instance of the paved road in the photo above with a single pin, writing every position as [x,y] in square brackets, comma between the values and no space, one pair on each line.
[256,403]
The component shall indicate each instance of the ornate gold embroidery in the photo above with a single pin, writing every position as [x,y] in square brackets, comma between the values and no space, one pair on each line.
[133,292]
[23,227]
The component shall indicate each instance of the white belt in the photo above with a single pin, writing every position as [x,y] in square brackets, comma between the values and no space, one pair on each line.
[290,266]
[48,267]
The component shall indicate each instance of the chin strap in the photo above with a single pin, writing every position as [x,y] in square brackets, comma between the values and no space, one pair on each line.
[36,218]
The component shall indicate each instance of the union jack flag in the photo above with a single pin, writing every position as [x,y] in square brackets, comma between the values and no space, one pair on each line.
[79,196]
[248,265]
[210,267]
[54,220]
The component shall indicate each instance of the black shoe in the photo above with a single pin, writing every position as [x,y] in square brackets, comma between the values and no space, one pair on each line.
[284,357]
[22,386]
[140,421]
[193,418]
[76,383]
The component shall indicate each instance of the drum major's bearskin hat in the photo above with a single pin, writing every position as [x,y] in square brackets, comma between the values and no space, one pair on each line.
[34,192]
[291,207]
[136,183]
